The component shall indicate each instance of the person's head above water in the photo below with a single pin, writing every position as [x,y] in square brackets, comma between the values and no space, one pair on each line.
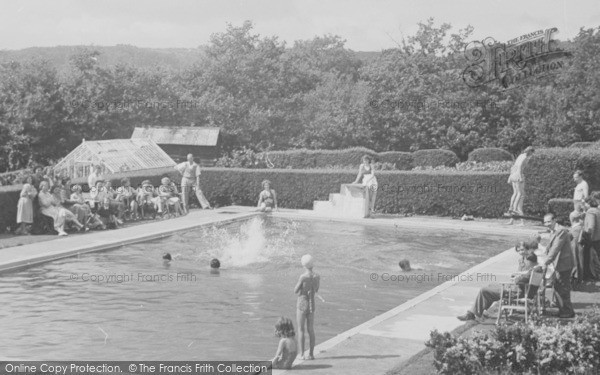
[307,261]
[215,263]
[404,265]
[167,256]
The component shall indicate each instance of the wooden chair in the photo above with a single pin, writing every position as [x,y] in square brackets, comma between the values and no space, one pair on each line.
[512,299]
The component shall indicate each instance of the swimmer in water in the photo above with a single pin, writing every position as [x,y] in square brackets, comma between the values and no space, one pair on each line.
[214,266]
[167,257]
[405,266]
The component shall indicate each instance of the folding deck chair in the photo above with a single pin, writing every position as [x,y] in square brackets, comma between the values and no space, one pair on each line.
[511,299]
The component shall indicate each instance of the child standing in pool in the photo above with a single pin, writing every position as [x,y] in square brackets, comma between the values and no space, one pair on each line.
[287,349]
[307,287]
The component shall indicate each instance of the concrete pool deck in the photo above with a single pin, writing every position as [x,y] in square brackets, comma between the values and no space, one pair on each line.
[373,347]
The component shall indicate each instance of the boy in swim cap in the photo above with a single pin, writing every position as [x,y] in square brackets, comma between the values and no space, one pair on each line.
[307,288]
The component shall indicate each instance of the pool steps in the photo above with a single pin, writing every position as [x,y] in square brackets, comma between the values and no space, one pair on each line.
[351,202]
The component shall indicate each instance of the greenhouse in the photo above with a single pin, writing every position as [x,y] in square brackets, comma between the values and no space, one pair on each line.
[114,156]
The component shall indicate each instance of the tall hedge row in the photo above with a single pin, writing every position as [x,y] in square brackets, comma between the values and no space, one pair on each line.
[549,174]
[421,192]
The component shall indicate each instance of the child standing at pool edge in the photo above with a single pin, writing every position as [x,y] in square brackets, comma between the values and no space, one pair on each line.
[287,349]
[267,199]
[307,287]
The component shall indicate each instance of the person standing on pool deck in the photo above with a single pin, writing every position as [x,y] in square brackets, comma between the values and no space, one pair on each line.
[190,171]
[581,191]
[560,255]
[517,180]
[307,287]
[366,171]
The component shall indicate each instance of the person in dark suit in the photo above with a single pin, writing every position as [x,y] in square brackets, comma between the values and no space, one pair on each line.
[560,254]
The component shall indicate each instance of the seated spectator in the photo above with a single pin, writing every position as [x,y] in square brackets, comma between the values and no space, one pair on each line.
[107,214]
[40,175]
[98,193]
[127,194]
[25,207]
[147,197]
[490,294]
[116,205]
[267,199]
[92,220]
[50,206]
[168,193]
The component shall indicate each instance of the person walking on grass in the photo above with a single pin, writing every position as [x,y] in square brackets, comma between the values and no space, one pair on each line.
[517,180]
[306,289]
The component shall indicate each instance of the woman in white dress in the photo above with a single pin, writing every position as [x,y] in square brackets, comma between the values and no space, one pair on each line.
[366,172]
[50,206]
[25,207]
[517,180]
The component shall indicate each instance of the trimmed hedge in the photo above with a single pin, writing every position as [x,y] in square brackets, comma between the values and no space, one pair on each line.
[403,161]
[549,174]
[421,192]
[434,158]
[486,155]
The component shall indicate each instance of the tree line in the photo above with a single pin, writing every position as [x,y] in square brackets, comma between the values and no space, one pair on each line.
[315,94]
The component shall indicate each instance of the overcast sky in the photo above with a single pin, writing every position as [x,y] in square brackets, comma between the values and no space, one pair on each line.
[366,25]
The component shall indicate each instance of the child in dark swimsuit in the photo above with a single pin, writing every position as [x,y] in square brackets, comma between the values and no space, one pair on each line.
[267,199]
[307,287]
[288,348]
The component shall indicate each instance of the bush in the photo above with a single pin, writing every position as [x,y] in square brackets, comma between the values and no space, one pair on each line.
[562,208]
[310,159]
[9,198]
[402,161]
[244,158]
[469,166]
[549,174]
[547,348]
[583,144]
[486,155]
[434,158]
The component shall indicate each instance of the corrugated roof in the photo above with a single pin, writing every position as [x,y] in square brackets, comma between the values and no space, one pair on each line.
[191,135]
[119,155]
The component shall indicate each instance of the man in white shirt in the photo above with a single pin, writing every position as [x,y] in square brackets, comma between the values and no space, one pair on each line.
[191,171]
[581,191]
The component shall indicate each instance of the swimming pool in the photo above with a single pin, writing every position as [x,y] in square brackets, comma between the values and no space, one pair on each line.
[126,304]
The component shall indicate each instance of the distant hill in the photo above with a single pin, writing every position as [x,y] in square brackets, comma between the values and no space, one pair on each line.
[175,58]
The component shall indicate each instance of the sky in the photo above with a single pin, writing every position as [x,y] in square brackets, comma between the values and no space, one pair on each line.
[365,25]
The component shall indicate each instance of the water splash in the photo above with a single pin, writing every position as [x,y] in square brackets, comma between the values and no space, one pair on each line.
[251,244]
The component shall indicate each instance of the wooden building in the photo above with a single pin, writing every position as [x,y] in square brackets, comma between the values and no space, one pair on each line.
[202,142]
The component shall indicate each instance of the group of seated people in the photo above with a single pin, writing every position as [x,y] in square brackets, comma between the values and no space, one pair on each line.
[104,207]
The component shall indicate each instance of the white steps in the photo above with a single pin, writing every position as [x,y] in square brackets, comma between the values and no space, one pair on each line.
[350,202]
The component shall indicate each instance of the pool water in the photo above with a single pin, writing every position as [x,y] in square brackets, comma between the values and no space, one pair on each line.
[126,304]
